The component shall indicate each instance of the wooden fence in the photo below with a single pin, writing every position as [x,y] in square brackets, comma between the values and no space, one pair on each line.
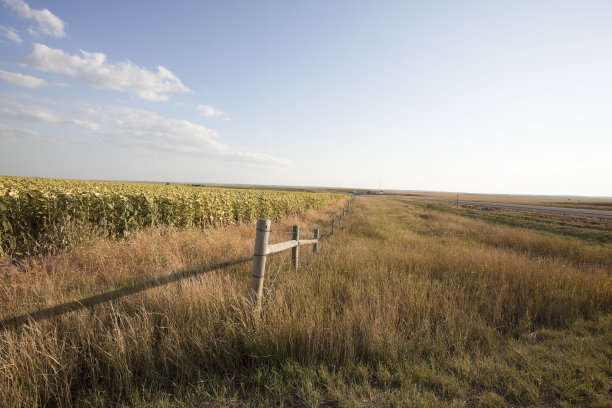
[263,249]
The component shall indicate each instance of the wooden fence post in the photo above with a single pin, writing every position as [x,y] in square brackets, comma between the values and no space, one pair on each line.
[333,226]
[295,251]
[315,236]
[259,263]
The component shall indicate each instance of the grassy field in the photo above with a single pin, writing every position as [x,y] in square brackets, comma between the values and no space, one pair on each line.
[589,229]
[406,305]
[592,203]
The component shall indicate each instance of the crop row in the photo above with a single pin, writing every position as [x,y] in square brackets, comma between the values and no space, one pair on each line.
[30,207]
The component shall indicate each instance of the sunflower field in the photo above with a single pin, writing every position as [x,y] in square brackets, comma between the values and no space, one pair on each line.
[30,207]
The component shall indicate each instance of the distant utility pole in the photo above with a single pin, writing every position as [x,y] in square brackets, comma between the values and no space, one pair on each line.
[457,200]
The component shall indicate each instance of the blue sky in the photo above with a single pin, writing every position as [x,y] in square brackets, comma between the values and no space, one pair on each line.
[472,96]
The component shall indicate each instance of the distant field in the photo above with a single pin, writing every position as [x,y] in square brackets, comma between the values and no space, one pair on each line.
[408,304]
[593,203]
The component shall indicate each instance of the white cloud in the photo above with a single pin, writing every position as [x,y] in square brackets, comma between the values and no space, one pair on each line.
[37,113]
[148,130]
[30,114]
[208,110]
[211,111]
[46,22]
[137,129]
[93,69]
[11,34]
[19,79]
[15,134]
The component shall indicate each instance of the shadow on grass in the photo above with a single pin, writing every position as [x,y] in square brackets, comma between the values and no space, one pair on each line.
[58,310]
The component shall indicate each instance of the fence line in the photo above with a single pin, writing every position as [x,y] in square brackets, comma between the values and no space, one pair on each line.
[263,249]
[61,309]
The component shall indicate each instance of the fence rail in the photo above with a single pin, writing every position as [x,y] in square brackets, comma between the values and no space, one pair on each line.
[282,246]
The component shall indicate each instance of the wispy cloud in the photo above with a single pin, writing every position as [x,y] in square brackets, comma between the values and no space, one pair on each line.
[94,70]
[17,134]
[36,113]
[137,129]
[208,110]
[11,34]
[19,79]
[211,111]
[46,22]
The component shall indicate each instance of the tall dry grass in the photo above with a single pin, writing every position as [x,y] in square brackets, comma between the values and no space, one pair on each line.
[397,289]
[100,264]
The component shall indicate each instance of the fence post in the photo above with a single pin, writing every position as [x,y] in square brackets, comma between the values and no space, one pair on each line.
[315,236]
[333,226]
[295,251]
[259,263]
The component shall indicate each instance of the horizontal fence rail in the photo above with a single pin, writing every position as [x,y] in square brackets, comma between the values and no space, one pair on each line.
[282,246]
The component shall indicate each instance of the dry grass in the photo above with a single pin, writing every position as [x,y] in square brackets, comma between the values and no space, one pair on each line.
[594,203]
[403,306]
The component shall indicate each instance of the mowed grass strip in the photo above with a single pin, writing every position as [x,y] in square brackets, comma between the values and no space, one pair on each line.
[403,306]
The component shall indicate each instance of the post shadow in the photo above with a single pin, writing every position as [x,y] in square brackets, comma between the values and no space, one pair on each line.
[61,309]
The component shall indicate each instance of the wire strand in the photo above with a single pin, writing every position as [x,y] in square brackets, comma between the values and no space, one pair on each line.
[276,273]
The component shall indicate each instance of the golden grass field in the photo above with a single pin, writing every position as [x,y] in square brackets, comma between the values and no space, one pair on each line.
[408,304]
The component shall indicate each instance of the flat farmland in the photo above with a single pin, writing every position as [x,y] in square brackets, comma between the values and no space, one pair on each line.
[405,305]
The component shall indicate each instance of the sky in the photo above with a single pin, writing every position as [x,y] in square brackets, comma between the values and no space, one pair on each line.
[509,97]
